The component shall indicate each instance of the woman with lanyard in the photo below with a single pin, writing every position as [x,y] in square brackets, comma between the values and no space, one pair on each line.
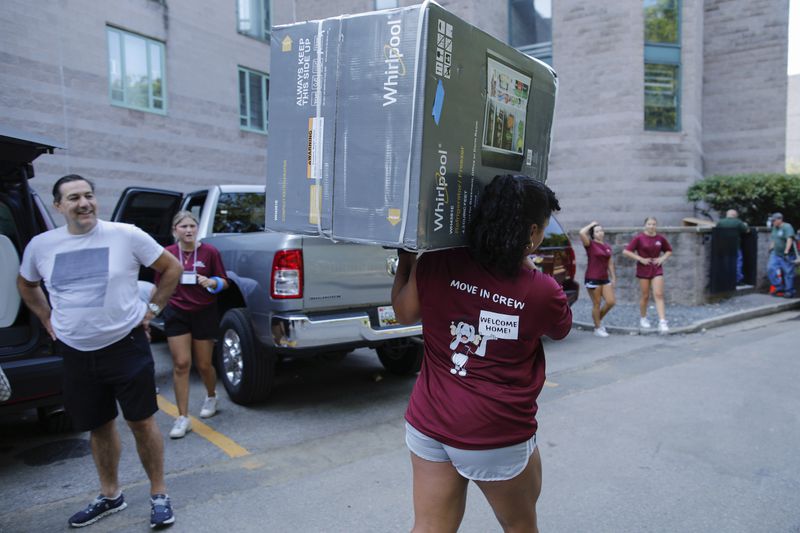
[650,250]
[191,319]
[485,308]
[600,274]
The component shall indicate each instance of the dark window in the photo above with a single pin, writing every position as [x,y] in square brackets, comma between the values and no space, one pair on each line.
[254,18]
[253,91]
[241,212]
[662,65]
[194,204]
[530,27]
[136,71]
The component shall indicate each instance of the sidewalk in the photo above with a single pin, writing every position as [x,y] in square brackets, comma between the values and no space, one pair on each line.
[624,317]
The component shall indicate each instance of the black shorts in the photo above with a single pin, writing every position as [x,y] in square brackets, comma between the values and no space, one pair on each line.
[595,283]
[203,324]
[94,381]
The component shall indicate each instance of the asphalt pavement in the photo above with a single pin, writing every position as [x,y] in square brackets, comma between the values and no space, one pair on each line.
[682,319]
[689,433]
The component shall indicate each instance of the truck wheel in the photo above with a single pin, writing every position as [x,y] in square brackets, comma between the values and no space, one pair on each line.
[246,368]
[54,419]
[401,357]
[334,357]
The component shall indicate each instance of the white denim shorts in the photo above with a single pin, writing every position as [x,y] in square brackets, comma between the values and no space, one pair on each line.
[497,464]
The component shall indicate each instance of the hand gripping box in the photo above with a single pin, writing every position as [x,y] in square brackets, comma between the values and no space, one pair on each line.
[415,111]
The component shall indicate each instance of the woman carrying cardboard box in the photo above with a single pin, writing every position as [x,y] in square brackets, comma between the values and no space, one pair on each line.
[484,309]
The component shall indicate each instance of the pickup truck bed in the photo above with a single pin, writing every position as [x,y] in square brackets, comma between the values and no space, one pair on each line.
[290,295]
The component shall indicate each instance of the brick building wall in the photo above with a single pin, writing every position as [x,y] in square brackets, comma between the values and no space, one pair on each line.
[604,165]
[54,82]
[744,94]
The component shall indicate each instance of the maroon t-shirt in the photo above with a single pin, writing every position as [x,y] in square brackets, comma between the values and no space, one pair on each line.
[484,364]
[650,247]
[598,254]
[209,263]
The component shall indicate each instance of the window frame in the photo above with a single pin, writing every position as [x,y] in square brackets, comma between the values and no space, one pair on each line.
[543,50]
[162,47]
[665,54]
[266,33]
[224,201]
[265,99]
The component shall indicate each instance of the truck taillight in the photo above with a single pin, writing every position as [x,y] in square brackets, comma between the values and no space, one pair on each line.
[570,266]
[287,274]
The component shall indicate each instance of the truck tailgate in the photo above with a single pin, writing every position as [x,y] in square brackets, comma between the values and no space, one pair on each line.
[345,275]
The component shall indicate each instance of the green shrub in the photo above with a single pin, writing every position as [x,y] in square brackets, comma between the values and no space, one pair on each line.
[754,196]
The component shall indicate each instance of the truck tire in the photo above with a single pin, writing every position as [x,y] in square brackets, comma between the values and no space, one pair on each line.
[54,419]
[401,357]
[246,368]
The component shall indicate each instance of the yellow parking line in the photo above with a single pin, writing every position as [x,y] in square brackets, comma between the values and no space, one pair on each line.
[550,384]
[222,442]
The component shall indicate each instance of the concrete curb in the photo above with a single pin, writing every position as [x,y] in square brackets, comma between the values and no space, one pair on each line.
[714,322]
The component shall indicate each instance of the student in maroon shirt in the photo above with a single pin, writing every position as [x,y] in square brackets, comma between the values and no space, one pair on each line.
[191,319]
[484,309]
[600,275]
[650,250]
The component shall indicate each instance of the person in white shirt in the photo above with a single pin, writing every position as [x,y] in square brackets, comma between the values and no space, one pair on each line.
[100,326]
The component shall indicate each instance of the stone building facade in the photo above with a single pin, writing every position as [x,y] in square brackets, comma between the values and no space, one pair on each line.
[54,81]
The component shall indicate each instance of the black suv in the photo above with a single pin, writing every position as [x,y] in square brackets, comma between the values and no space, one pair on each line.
[26,351]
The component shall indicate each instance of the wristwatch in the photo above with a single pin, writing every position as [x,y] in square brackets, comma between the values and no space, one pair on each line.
[154,308]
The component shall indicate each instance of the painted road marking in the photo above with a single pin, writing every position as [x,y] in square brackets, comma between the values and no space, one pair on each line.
[550,384]
[216,438]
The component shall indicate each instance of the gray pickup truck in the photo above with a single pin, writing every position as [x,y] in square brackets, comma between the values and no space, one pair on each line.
[290,295]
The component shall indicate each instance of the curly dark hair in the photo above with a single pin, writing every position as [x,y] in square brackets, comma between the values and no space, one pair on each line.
[500,229]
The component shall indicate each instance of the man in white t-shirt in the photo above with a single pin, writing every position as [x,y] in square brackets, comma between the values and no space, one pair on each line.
[100,325]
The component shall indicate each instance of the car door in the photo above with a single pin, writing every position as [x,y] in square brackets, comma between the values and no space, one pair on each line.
[26,351]
[149,209]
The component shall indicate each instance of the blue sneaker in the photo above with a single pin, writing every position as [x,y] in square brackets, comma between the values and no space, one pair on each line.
[100,507]
[160,511]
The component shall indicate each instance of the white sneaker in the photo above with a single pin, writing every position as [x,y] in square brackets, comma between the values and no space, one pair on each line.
[209,407]
[181,426]
[644,323]
[662,327]
[600,332]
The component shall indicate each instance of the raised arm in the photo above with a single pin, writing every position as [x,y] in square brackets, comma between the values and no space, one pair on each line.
[584,233]
[405,298]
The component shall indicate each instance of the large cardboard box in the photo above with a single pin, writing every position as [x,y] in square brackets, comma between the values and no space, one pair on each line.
[414,111]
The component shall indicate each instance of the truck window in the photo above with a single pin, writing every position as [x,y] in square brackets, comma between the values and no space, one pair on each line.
[194,204]
[152,211]
[240,212]
[554,235]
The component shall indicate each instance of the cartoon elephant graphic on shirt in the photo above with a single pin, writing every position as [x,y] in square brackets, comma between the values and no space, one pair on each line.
[464,333]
